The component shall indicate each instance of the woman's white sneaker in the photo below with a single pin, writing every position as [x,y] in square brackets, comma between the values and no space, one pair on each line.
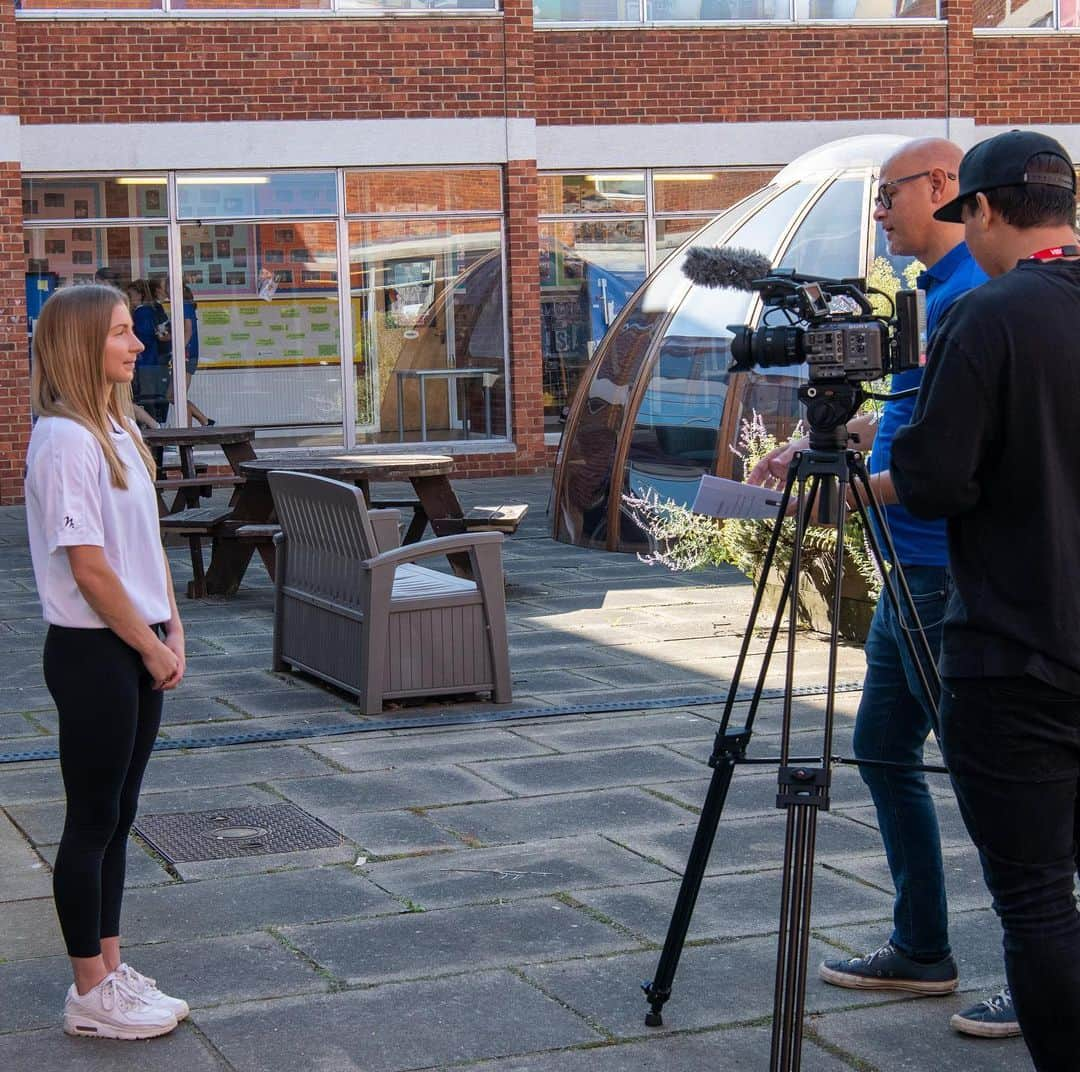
[113,1010]
[146,988]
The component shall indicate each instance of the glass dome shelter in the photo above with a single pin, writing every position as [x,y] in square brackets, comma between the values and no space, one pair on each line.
[657,407]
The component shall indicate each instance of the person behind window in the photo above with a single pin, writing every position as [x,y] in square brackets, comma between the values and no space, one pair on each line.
[114,644]
[150,387]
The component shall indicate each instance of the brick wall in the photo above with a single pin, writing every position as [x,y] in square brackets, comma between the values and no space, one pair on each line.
[1026,80]
[14,365]
[117,72]
[722,75]
[523,291]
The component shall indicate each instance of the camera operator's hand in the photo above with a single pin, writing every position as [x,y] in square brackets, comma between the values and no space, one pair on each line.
[771,471]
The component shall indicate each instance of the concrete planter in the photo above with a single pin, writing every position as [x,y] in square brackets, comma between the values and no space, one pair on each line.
[815,602]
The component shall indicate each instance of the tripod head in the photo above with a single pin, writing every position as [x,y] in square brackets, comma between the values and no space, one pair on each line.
[829,406]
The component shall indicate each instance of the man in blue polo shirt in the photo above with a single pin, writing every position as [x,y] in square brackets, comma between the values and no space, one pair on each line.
[894,717]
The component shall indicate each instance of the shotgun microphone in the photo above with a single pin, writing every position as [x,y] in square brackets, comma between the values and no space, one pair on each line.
[731,266]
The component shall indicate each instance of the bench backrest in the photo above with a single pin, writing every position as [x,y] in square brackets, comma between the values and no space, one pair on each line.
[327,532]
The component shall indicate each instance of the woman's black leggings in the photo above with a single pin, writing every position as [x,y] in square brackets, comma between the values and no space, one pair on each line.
[109,716]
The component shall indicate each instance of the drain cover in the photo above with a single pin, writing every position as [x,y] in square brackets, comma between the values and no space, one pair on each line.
[256,830]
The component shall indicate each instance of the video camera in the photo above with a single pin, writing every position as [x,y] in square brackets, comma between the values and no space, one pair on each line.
[830,325]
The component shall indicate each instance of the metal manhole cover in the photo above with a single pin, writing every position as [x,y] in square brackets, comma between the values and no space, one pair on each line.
[255,830]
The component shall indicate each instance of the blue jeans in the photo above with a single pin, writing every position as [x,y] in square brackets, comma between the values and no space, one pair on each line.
[892,724]
[1013,749]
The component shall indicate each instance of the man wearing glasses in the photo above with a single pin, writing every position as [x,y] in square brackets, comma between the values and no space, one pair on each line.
[894,717]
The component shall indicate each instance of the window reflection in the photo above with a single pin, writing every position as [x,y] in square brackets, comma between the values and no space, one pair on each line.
[587,273]
[429,349]
[90,198]
[266,316]
[287,193]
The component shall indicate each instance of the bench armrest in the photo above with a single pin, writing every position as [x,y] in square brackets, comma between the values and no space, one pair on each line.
[441,545]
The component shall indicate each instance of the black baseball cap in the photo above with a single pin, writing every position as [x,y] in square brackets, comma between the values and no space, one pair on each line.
[1003,161]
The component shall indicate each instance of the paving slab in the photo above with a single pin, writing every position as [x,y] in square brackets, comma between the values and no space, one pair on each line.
[43,823]
[963,875]
[51,1049]
[203,972]
[430,748]
[387,790]
[599,770]
[715,985]
[562,815]
[389,833]
[655,727]
[30,930]
[730,906]
[142,867]
[435,1024]
[739,1049]
[754,842]
[23,873]
[249,903]
[473,876]
[233,766]
[914,1036]
[425,944]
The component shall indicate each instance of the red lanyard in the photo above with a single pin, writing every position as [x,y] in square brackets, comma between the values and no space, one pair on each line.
[1054,252]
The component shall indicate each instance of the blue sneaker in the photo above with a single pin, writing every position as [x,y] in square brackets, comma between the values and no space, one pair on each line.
[889,969]
[993,1018]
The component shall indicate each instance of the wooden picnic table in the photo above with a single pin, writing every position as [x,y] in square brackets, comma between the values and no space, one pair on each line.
[253,505]
[184,517]
[234,441]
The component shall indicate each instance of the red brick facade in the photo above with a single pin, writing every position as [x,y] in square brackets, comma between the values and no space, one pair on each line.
[71,70]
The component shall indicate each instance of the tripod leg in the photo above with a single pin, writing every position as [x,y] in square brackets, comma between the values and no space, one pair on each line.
[727,750]
[802,791]
[658,990]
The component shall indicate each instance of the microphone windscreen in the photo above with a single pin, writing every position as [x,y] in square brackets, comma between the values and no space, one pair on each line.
[730,267]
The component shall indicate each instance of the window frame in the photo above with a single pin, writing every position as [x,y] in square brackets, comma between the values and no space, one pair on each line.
[173,222]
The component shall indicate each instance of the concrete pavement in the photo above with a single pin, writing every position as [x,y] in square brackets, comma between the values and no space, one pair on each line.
[498,890]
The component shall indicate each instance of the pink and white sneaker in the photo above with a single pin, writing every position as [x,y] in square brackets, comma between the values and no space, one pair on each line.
[112,1009]
[147,989]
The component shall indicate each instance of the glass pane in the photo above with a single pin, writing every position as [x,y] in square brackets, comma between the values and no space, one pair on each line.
[282,193]
[706,191]
[1010,15]
[588,271]
[670,234]
[417,5]
[88,5]
[113,198]
[852,10]
[136,261]
[472,190]
[828,241]
[251,5]
[265,328]
[588,10]
[603,192]
[709,10]
[429,347]
[1068,14]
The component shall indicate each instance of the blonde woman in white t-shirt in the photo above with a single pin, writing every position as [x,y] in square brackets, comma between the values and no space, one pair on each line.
[115,643]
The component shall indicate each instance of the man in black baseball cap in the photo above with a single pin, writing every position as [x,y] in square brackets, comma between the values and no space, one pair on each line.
[1017,158]
[992,447]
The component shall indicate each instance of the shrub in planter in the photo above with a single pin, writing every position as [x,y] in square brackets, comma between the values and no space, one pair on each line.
[683,540]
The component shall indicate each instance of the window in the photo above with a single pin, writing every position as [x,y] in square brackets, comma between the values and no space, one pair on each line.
[268,7]
[1027,14]
[649,11]
[262,309]
[600,235]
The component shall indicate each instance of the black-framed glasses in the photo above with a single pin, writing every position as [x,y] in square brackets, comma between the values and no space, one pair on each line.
[885,190]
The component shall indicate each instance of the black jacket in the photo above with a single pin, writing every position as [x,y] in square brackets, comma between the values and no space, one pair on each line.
[994,447]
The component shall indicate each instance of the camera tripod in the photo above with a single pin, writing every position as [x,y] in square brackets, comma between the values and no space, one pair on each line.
[830,468]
